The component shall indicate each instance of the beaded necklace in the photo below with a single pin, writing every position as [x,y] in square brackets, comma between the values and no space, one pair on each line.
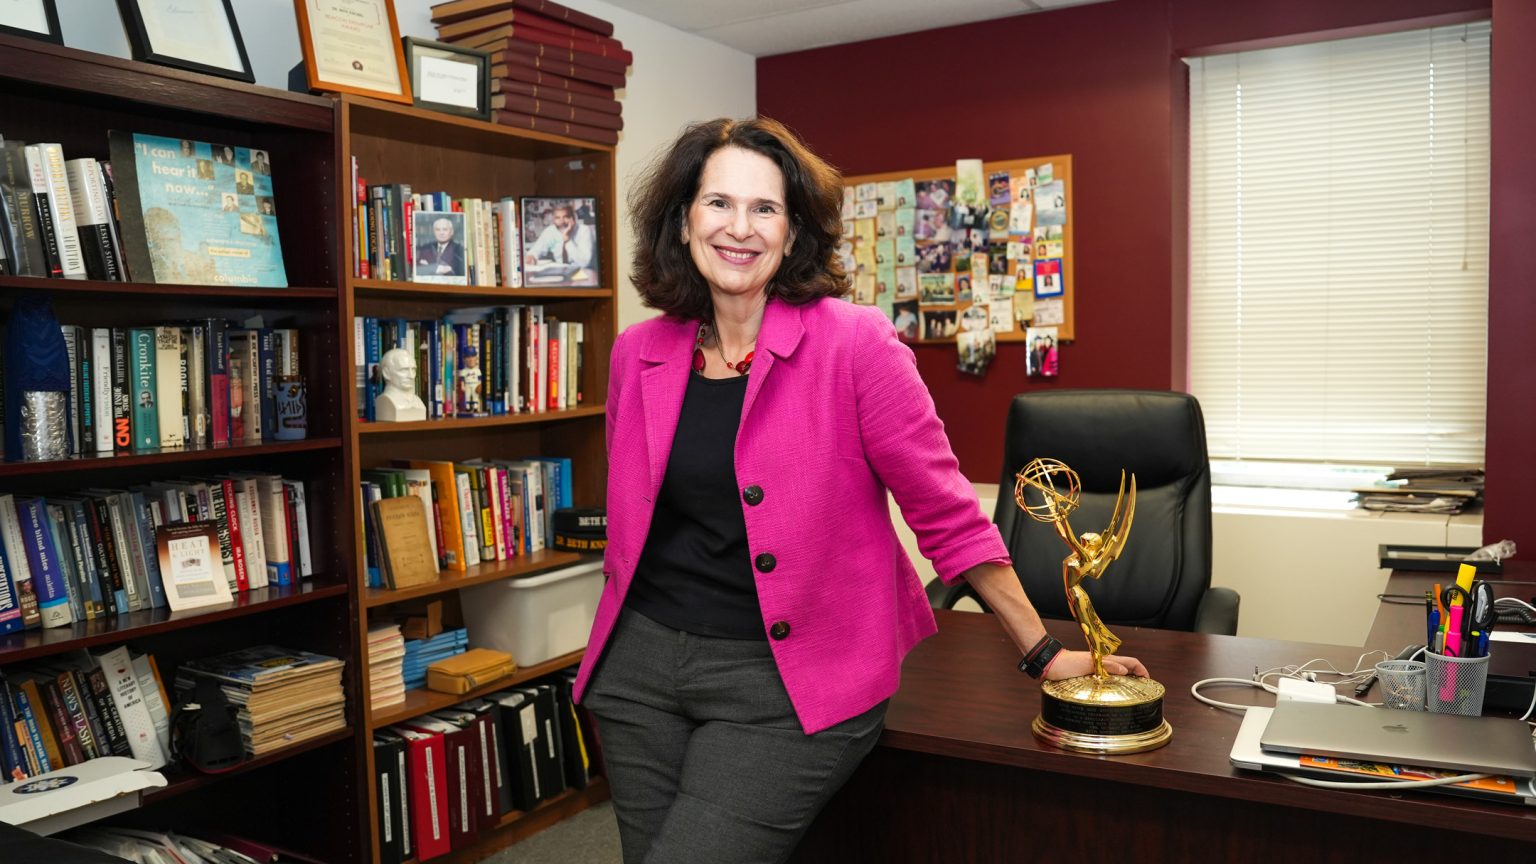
[741,367]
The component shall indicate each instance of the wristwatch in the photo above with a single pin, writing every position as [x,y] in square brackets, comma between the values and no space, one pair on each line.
[1039,657]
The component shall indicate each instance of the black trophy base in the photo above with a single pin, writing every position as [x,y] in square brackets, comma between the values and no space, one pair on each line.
[1115,714]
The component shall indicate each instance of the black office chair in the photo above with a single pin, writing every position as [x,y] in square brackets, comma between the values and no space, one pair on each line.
[1163,578]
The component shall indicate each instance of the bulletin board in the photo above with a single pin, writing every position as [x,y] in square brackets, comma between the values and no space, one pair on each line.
[1037,282]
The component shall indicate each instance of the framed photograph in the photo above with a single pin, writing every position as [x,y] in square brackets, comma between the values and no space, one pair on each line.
[200,35]
[35,19]
[449,79]
[353,46]
[439,254]
[560,242]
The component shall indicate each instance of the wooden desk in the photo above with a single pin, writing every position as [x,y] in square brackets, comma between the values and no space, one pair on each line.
[959,778]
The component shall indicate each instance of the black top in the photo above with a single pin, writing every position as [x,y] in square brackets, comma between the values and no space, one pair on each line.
[695,574]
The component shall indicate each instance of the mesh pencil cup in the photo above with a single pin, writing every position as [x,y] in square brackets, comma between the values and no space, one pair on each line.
[1454,685]
[1402,683]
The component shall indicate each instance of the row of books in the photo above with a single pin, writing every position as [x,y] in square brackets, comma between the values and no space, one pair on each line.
[205,383]
[385,235]
[83,706]
[419,654]
[570,59]
[101,553]
[444,777]
[477,510]
[282,695]
[482,361]
[60,215]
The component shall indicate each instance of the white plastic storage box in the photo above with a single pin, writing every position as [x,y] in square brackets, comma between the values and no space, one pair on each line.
[535,618]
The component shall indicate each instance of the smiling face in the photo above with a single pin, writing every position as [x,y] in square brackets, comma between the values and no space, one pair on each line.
[442,229]
[738,228]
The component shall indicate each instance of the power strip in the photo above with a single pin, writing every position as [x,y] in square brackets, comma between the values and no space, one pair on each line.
[1297,690]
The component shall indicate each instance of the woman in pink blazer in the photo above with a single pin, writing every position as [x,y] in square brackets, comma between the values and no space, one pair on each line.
[758,603]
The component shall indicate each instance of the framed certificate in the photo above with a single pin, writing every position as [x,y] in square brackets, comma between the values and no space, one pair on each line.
[200,35]
[353,46]
[38,19]
[449,79]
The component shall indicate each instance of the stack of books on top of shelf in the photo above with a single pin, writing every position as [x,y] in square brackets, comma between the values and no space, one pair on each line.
[421,653]
[1447,490]
[553,69]
[386,664]
[99,553]
[283,695]
[59,713]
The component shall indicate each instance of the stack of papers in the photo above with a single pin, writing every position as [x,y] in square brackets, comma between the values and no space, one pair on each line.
[1424,490]
[421,653]
[284,696]
[386,658]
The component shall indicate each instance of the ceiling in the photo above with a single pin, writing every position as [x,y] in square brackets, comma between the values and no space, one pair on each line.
[765,27]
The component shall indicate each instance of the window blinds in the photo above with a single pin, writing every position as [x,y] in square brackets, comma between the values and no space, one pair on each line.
[1339,248]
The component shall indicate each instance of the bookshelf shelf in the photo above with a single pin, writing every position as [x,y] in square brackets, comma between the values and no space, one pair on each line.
[520,825]
[452,580]
[106,461]
[499,294]
[478,422]
[182,783]
[419,702]
[97,286]
[31,644]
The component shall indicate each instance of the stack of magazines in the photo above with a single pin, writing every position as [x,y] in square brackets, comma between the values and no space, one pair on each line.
[1424,490]
[284,696]
[421,653]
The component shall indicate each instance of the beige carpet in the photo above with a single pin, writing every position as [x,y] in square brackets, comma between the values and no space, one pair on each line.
[589,837]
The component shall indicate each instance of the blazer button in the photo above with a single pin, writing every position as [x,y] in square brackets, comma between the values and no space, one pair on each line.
[753,495]
[766,562]
[779,630]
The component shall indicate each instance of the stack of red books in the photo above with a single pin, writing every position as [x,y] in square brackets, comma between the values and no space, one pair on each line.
[552,69]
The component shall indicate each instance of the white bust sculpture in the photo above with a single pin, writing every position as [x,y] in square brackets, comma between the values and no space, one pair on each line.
[399,402]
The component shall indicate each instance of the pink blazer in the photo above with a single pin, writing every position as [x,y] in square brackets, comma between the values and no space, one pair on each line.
[834,415]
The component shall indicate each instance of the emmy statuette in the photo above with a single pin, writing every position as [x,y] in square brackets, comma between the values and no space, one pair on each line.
[1097,713]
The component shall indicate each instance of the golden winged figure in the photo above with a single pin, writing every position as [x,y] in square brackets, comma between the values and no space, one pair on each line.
[1091,552]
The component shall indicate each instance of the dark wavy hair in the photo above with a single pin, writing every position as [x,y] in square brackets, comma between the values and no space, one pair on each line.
[664,272]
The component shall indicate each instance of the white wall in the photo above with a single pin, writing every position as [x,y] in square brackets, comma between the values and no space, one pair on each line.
[676,78]
[1303,576]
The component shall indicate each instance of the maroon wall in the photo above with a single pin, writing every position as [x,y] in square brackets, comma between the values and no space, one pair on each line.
[1103,82]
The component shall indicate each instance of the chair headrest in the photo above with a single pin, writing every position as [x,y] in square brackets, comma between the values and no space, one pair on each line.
[1157,435]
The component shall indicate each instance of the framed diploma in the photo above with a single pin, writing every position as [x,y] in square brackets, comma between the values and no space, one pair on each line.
[200,35]
[353,46]
[449,79]
[37,19]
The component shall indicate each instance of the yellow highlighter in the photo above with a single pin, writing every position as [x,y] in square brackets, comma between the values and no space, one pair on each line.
[1465,574]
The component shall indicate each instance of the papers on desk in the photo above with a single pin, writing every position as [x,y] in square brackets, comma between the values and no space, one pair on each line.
[1423,490]
[1512,636]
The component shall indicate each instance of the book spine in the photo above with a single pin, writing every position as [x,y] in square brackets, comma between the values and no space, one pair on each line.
[69,563]
[144,539]
[114,218]
[557,127]
[267,357]
[12,760]
[43,558]
[167,386]
[70,255]
[101,388]
[216,335]
[122,393]
[88,554]
[72,361]
[198,412]
[251,532]
[184,384]
[301,519]
[95,239]
[544,78]
[34,733]
[124,686]
[76,714]
[10,603]
[101,694]
[237,544]
[227,545]
[37,170]
[23,234]
[141,365]
[131,579]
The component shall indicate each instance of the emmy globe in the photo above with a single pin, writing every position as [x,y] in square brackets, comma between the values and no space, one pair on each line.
[1097,713]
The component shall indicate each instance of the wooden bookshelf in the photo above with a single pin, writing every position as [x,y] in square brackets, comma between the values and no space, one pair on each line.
[473,159]
[52,93]
[420,701]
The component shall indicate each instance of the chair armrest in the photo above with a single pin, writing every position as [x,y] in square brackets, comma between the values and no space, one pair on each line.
[1218,612]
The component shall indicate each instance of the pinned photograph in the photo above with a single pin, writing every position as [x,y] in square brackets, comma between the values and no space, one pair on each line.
[932,225]
[906,221]
[1048,242]
[560,242]
[439,254]
[938,323]
[934,258]
[936,289]
[906,193]
[885,195]
[864,288]
[1051,203]
[1000,191]
[906,251]
[970,183]
[906,283]
[1041,361]
[904,317]
[976,350]
[934,194]
[1050,279]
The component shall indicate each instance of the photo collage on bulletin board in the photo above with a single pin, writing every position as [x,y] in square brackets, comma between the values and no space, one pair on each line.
[958,253]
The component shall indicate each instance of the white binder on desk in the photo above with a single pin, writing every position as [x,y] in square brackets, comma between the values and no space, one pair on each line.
[62,799]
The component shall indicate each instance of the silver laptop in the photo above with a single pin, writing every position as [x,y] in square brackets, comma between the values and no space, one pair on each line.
[1485,745]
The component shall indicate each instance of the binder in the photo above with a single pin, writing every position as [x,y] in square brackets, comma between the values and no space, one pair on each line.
[518,736]
[388,753]
[428,772]
[573,747]
[548,761]
[481,797]
[460,764]
[494,761]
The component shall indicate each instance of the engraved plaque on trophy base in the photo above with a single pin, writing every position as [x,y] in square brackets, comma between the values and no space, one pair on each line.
[1118,714]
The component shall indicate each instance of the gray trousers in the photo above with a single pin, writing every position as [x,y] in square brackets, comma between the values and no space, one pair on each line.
[705,757]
